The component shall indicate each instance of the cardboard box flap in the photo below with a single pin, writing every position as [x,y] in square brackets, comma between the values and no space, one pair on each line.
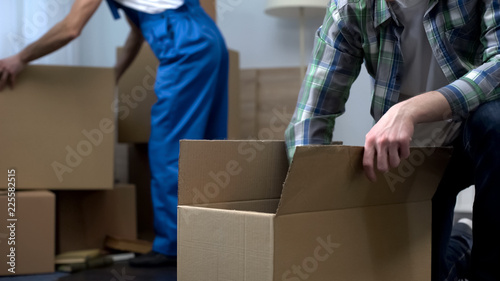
[224,245]
[230,171]
[331,177]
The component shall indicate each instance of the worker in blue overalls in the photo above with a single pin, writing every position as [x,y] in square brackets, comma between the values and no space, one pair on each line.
[191,87]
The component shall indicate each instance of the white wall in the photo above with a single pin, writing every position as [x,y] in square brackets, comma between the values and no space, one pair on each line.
[24,21]
[101,37]
[262,40]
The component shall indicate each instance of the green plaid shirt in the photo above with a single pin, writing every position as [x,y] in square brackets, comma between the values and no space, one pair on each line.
[464,36]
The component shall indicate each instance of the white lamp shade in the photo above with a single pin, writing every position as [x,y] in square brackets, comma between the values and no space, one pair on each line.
[291,8]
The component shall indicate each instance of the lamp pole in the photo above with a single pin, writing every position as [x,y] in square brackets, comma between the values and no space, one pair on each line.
[302,42]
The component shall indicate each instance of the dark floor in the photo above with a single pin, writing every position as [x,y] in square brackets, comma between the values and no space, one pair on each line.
[122,272]
[118,272]
[41,277]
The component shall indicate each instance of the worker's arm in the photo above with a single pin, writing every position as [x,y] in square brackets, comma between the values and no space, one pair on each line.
[388,142]
[335,64]
[130,50]
[59,35]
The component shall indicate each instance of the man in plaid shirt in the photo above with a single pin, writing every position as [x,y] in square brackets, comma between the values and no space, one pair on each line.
[436,71]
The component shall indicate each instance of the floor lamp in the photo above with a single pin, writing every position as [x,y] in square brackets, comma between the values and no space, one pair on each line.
[298,9]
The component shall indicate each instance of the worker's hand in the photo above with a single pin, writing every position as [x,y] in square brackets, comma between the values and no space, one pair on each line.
[388,142]
[9,69]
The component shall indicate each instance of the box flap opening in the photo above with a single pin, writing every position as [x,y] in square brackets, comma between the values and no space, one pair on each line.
[331,177]
[230,171]
[268,206]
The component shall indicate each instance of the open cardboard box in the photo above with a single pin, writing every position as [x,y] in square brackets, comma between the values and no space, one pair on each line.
[238,221]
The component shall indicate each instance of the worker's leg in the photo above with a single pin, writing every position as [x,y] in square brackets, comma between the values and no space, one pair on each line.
[192,64]
[482,135]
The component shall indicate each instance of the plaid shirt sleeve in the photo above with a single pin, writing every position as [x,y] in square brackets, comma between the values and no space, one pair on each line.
[481,84]
[335,64]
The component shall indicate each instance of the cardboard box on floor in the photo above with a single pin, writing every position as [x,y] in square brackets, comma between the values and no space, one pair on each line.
[33,234]
[137,96]
[58,128]
[84,218]
[238,221]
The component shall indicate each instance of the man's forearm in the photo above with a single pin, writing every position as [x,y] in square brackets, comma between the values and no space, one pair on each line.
[388,142]
[63,32]
[428,107]
[54,39]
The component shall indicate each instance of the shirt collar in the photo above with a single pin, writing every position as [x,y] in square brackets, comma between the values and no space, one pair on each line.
[383,12]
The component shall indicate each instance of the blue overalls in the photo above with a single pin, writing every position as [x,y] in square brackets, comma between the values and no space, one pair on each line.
[191,86]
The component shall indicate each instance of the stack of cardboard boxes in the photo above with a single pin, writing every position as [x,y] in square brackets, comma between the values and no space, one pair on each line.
[58,137]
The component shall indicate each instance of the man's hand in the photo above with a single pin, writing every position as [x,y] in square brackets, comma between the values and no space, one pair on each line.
[388,142]
[9,69]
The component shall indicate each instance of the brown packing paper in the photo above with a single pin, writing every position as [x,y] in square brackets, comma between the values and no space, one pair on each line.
[238,221]
[58,128]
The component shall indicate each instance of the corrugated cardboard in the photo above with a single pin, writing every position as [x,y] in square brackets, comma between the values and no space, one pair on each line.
[137,96]
[268,101]
[234,119]
[84,218]
[140,175]
[238,221]
[210,8]
[58,128]
[34,233]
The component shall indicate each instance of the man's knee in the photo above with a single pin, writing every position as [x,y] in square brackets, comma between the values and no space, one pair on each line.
[484,124]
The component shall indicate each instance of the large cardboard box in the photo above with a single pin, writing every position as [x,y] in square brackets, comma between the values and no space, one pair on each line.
[57,128]
[140,176]
[238,221]
[136,96]
[84,218]
[27,239]
[210,8]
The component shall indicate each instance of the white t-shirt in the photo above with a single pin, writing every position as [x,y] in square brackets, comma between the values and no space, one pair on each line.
[151,6]
[421,72]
